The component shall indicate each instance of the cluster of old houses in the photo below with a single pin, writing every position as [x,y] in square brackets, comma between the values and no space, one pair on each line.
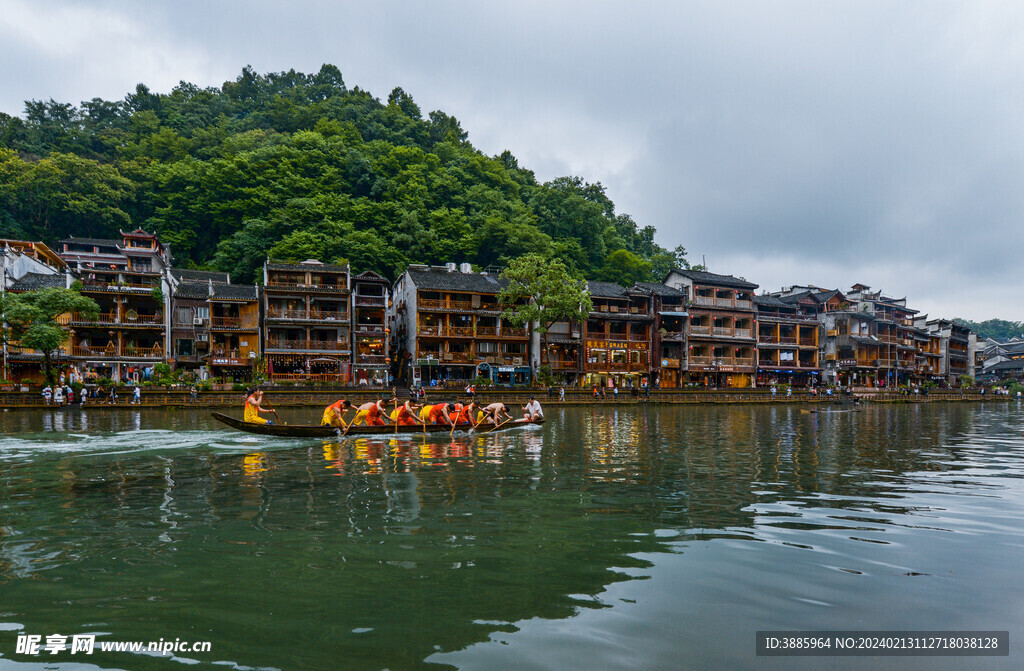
[443,324]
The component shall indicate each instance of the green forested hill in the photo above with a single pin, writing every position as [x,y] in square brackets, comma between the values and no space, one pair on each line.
[999,329]
[299,166]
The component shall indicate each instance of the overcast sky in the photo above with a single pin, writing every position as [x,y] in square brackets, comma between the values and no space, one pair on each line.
[803,142]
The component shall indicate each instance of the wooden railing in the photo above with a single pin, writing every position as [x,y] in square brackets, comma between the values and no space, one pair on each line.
[232,322]
[280,313]
[370,301]
[369,328]
[370,358]
[324,345]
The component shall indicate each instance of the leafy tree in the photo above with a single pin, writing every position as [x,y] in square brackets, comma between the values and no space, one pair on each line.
[542,291]
[998,329]
[625,268]
[30,319]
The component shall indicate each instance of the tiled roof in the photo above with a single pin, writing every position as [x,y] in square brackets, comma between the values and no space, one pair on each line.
[34,281]
[370,276]
[441,280]
[227,291]
[659,289]
[192,290]
[310,267]
[606,289]
[187,274]
[774,302]
[99,242]
[1012,364]
[715,279]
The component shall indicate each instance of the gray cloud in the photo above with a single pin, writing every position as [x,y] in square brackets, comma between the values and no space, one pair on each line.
[790,142]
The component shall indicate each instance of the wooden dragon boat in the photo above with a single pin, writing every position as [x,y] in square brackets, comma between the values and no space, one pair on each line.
[318,431]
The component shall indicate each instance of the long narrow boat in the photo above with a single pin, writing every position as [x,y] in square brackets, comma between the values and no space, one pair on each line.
[317,431]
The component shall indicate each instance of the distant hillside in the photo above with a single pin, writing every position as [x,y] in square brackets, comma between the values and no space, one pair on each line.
[299,166]
[1000,329]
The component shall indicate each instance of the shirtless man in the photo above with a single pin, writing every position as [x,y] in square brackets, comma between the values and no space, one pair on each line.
[491,414]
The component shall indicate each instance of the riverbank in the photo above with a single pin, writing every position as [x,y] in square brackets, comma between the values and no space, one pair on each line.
[321,398]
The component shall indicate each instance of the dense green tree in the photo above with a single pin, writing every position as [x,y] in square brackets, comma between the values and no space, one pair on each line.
[625,268]
[999,329]
[29,319]
[541,291]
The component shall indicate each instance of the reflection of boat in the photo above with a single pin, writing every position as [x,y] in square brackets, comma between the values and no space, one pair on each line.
[317,431]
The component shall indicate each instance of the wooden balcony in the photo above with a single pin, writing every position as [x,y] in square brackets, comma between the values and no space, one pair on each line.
[369,328]
[110,351]
[307,315]
[370,359]
[309,345]
[370,301]
[638,337]
[105,318]
[674,336]
[808,341]
[232,323]
[487,331]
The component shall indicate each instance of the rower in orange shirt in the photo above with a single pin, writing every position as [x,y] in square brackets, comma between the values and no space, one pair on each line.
[405,414]
[371,414]
[435,414]
[464,413]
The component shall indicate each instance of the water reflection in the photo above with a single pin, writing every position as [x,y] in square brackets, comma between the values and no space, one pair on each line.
[384,550]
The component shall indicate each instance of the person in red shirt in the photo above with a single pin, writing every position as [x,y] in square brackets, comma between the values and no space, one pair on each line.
[435,414]
[405,414]
[371,414]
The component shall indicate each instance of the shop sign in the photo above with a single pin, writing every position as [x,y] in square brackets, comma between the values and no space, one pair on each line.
[847,362]
[220,361]
[506,369]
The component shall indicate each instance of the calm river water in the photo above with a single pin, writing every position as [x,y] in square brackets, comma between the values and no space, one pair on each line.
[651,538]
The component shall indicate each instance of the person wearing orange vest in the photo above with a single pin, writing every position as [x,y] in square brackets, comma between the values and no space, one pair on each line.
[435,414]
[334,414]
[464,414]
[371,414]
[405,414]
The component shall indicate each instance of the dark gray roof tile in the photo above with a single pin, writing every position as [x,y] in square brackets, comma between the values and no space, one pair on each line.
[36,281]
[432,279]
[704,277]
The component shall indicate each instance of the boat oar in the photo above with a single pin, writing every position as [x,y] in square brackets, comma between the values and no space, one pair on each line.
[278,418]
[499,425]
